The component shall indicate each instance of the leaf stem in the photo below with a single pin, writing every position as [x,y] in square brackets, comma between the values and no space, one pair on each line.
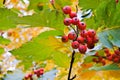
[71,65]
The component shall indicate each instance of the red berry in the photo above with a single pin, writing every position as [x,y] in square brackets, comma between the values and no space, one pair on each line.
[72,36]
[41,72]
[30,75]
[89,40]
[116,60]
[75,44]
[96,54]
[90,46]
[64,38]
[94,60]
[35,71]
[67,21]
[73,14]
[81,26]
[75,20]
[117,52]
[83,33]
[110,58]
[95,40]
[100,58]
[91,33]
[114,55]
[103,62]
[80,39]
[106,50]
[82,49]
[52,2]
[67,9]
[117,1]
[27,76]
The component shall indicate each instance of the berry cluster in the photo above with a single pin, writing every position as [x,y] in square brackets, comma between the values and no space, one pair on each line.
[37,72]
[99,59]
[114,57]
[82,38]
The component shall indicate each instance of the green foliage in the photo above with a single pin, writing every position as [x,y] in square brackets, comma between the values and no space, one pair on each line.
[110,37]
[7,19]
[4,41]
[106,67]
[88,4]
[1,50]
[39,49]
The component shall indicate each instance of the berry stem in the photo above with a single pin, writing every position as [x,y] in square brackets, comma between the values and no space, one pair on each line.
[71,65]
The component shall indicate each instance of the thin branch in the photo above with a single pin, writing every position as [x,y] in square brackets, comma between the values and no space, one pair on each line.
[71,65]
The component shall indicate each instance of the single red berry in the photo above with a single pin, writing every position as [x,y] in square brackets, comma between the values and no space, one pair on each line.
[97,54]
[110,58]
[35,71]
[103,62]
[73,14]
[114,55]
[95,40]
[82,49]
[41,72]
[83,33]
[117,52]
[116,60]
[106,50]
[100,58]
[81,25]
[75,20]
[95,60]
[52,2]
[89,40]
[80,39]
[64,38]
[117,1]
[72,36]
[90,46]
[27,76]
[75,44]
[67,21]
[30,75]
[91,33]
[67,9]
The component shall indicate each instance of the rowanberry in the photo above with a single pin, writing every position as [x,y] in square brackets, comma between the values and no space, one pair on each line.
[100,58]
[116,60]
[103,62]
[90,46]
[81,25]
[106,50]
[64,38]
[80,39]
[27,76]
[72,36]
[82,49]
[117,52]
[89,40]
[110,58]
[73,14]
[83,33]
[67,9]
[95,40]
[75,44]
[67,21]
[97,54]
[117,1]
[91,33]
[75,20]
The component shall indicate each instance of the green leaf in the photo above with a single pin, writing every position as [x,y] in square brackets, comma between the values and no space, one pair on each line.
[110,37]
[1,50]
[4,41]
[61,59]
[89,59]
[106,67]
[44,18]
[89,4]
[39,49]
[7,19]
[105,12]
[1,3]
